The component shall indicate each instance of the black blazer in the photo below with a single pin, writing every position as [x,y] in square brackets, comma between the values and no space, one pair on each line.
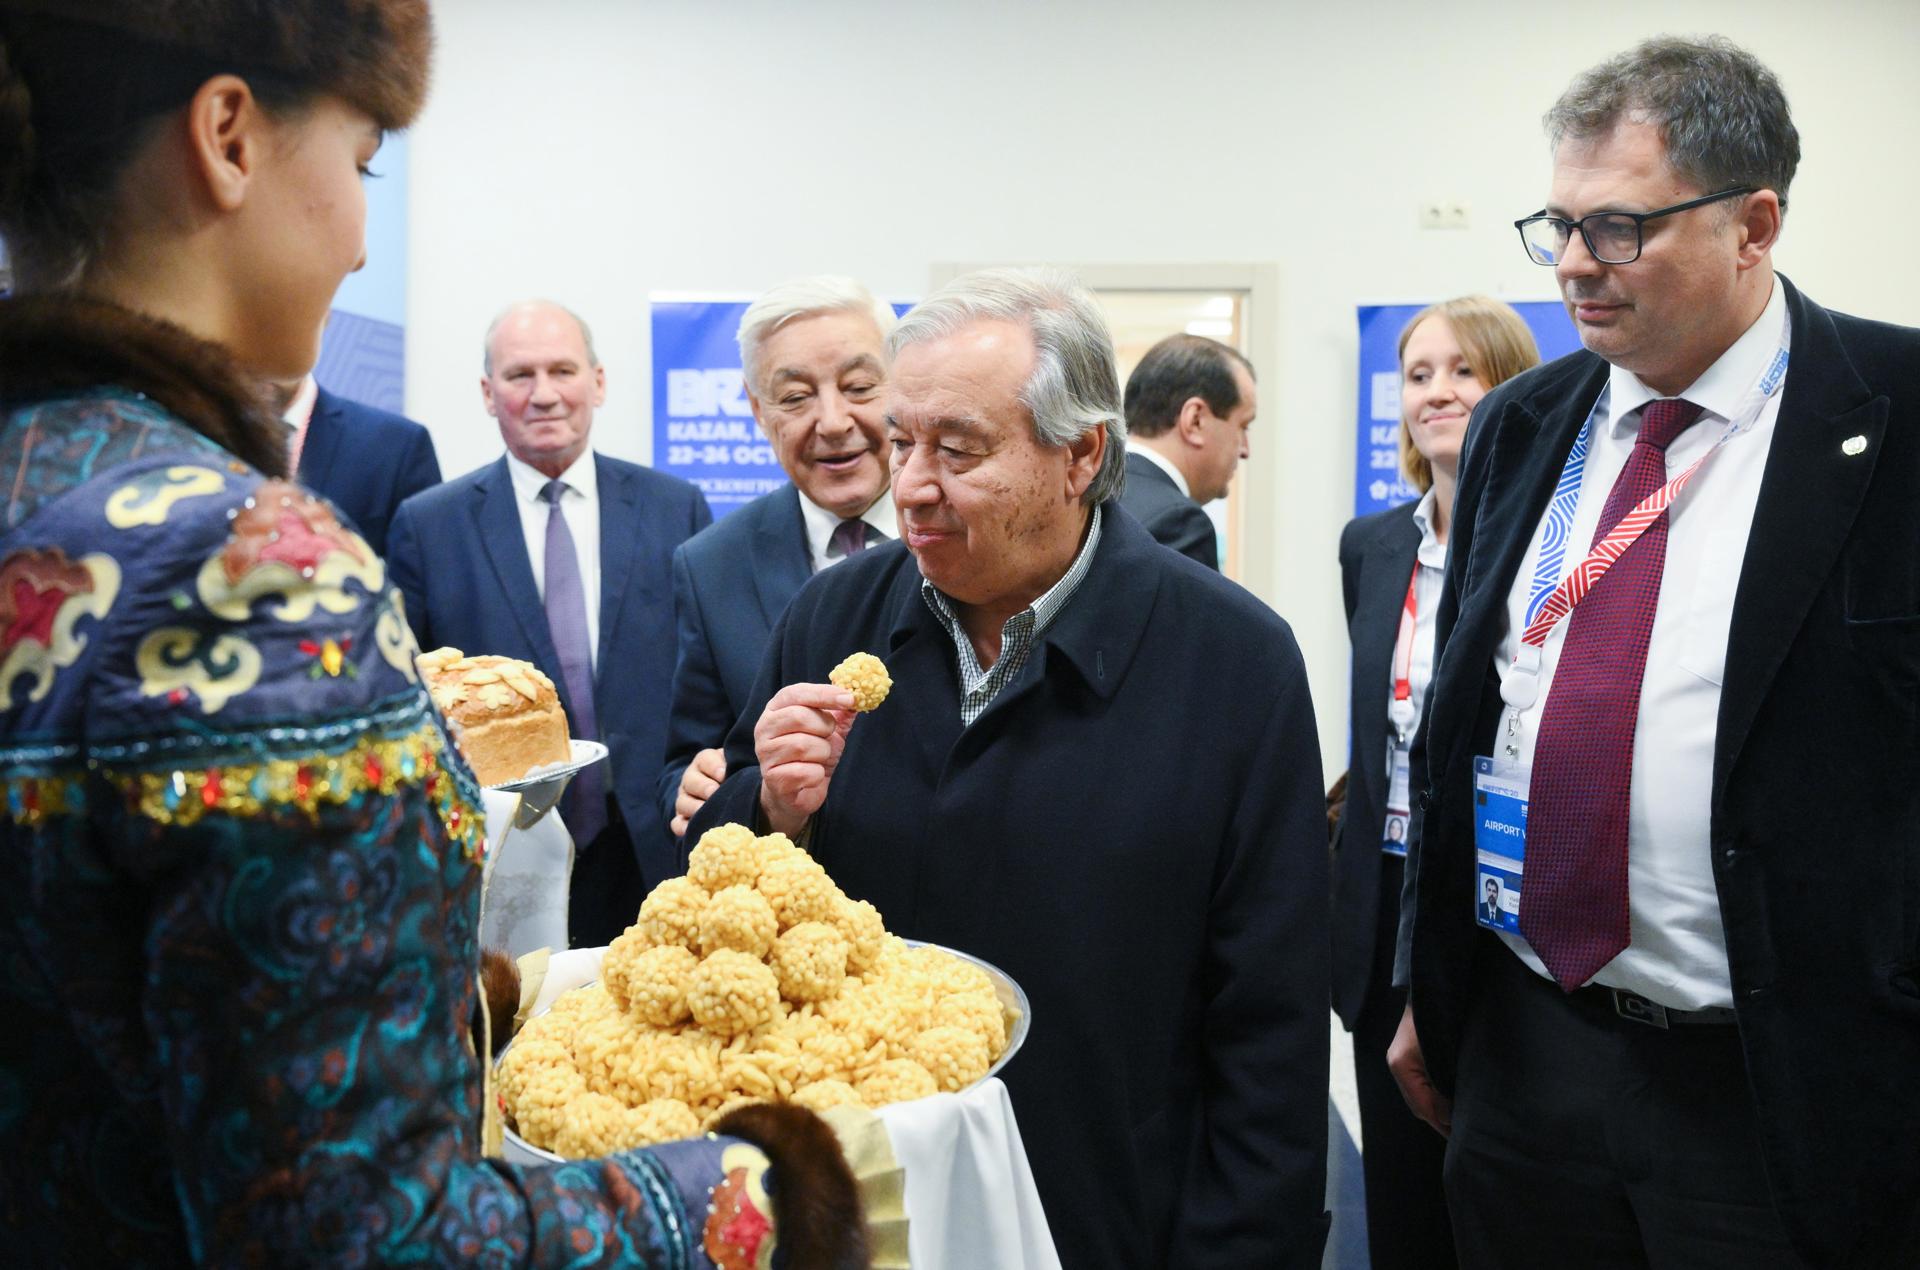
[1171,517]
[1816,774]
[366,462]
[459,557]
[731,583]
[1376,559]
[1135,831]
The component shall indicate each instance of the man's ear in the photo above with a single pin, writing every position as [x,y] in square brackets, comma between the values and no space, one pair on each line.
[227,139]
[486,394]
[1191,422]
[1085,455]
[600,385]
[1759,222]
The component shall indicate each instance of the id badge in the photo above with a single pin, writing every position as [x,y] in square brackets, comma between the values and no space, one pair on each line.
[1500,842]
[1393,839]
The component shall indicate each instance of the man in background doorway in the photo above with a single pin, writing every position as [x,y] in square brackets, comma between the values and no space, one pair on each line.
[1189,404]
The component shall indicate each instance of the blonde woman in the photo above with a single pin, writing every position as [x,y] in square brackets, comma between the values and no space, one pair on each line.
[1391,562]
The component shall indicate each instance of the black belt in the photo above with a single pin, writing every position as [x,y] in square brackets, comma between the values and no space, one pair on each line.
[1610,1005]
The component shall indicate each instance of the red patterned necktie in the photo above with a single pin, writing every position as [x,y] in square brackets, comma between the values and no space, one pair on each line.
[1573,903]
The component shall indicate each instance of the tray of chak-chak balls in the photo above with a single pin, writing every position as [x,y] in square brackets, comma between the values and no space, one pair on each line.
[751,979]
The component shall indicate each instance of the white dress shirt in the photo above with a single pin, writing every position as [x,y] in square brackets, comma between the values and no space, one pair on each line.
[1678,950]
[297,415]
[822,550]
[1430,560]
[581,502]
[1162,462]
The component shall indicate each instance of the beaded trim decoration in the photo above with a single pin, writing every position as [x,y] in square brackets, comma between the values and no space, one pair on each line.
[371,765]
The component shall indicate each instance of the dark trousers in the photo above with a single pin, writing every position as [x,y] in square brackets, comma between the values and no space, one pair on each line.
[604,894]
[1582,1139]
[1400,1156]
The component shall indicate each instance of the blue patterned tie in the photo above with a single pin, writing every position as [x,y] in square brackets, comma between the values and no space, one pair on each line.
[585,806]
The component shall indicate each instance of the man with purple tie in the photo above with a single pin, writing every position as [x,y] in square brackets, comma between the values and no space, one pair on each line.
[1678,695]
[561,557]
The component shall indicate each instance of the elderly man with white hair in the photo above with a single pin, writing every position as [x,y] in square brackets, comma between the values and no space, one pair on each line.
[813,351]
[1097,769]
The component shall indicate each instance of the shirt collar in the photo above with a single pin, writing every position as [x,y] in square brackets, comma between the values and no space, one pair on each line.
[1718,392]
[821,523]
[300,407]
[1044,609]
[582,476]
[1162,462]
[1431,552]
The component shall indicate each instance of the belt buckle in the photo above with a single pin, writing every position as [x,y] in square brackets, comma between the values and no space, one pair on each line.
[1633,1006]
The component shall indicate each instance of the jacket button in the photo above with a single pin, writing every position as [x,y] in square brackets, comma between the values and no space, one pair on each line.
[1426,800]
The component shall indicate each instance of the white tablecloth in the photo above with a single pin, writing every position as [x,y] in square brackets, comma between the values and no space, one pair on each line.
[971,1203]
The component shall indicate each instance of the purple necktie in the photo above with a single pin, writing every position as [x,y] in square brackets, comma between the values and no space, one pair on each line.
[585,806]
[850,536]
[1573,904]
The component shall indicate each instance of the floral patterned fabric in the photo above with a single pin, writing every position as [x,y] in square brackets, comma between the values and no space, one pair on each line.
[239,891]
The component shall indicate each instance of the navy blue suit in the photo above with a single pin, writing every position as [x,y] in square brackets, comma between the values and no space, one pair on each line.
[366,462]
[1134,830]
[731,583]
[1172,518]
[459,556]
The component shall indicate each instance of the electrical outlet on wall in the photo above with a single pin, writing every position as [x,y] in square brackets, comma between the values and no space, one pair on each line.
[1444,213]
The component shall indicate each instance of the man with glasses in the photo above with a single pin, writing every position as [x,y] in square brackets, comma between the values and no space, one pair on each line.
[1679,695]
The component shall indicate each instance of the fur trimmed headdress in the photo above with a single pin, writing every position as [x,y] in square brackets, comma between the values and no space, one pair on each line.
[372,53]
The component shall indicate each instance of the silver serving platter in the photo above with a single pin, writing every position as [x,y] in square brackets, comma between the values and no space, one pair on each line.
[541,788]
[1013,1006]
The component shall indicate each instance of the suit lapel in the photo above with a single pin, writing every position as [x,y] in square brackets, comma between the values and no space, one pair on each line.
[321,449]
[497,519]
[619,532]
[1530,449]
[782,561]
[1809,496]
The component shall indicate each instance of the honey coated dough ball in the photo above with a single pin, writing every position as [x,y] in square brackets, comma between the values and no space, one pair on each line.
[799,890]
[655,982]
[955,1056]
[671,914]
[859,922]
[663,1120]
[726,855]
[740,918]
[594,1125]
[897,1080]
[810,961]
[984,1017]
[730,992]
[866,677]
[822,1094]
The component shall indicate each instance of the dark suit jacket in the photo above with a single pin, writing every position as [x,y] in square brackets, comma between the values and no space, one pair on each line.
[731,583]
[1171,517]
[458,555]
[1816,773]
[1136,837]
[1376,559]
[366,462]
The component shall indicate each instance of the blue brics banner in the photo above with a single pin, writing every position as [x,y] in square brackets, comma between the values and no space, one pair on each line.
[703,427]
[1378,483]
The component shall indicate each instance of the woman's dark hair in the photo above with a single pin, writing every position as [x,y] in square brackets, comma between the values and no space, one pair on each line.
[83,83]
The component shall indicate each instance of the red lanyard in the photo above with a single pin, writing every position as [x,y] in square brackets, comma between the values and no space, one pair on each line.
[1403,645]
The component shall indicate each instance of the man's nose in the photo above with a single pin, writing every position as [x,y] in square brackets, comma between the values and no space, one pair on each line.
[914,480]
[544,389]
[1576,261]
[836,417]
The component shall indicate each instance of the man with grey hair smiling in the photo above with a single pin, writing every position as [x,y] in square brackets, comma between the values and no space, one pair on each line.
[1676,703]
[1097,769]
[813,352]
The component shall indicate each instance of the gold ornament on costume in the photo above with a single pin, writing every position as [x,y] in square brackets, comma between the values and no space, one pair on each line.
[288,543]
[148,500]
[43,595]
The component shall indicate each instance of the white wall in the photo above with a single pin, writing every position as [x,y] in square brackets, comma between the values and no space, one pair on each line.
[596,150]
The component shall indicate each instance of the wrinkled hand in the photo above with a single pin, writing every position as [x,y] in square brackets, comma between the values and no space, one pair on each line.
[799,739]
[1409,1068]
[697,783]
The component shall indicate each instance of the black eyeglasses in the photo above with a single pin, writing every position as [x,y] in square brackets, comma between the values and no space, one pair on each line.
[1612,237]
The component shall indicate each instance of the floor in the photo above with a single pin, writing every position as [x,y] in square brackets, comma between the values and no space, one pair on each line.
[1346,1191]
